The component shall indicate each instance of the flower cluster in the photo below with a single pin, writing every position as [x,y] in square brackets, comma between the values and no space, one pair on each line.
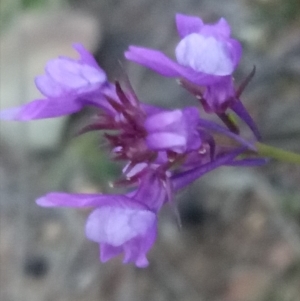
[163,150]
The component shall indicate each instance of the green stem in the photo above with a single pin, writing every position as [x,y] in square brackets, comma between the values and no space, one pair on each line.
[277,153]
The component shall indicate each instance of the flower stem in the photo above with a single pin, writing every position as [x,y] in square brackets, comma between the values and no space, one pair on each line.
[265,150]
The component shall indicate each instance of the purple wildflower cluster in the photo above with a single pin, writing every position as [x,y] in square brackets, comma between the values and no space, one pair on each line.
[163,150]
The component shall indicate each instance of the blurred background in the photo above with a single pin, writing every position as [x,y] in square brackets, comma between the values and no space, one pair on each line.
[240,239]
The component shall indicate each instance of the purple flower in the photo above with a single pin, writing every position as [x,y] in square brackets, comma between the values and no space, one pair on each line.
[124,228]
[206,56]
[164,150]
[206,48]
[173,130]
[120,223]
[143,132]
[182,179]
[68,85]
[218,96]
[128,223]
[205,53]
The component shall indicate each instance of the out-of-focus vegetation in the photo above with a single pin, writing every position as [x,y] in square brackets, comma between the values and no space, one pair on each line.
[82,162]
[11,8]
[276,14]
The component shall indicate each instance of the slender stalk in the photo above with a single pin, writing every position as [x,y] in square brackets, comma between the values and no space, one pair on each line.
[277,153]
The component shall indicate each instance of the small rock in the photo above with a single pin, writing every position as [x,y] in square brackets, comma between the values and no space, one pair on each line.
[36,266]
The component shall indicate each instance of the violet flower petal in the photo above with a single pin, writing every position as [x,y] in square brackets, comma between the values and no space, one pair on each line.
[205,54]
[173,130]
[108,252]
[153,59]
[218,96]
[49,87]
[65,83]
[128,230]
[136,250]
[163,65]
[70,76]
[188,24]
[183,179]
[241,111]
[73,76]
[61,199]
[85,56]
[210,125]
[161,120]
[219,29]
[151,192]
[162,141]
[42,108]
[116,226]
